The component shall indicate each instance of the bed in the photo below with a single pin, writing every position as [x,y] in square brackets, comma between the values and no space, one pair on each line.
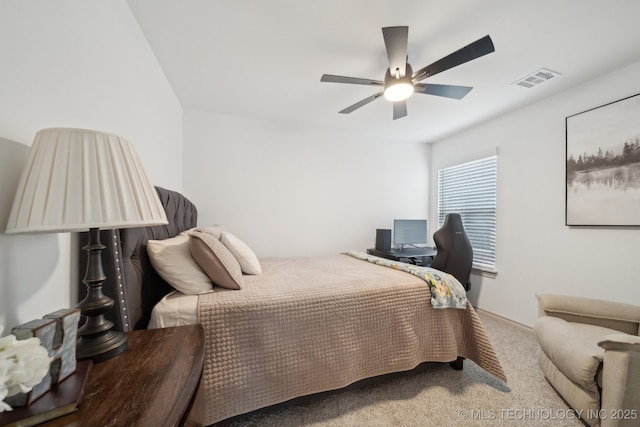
[304,325]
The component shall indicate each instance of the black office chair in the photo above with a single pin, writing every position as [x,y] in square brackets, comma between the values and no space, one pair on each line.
[455,255]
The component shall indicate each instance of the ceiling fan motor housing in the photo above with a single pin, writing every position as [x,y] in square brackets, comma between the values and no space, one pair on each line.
[408,73]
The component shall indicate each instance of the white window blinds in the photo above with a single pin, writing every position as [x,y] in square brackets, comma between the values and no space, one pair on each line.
[470,190]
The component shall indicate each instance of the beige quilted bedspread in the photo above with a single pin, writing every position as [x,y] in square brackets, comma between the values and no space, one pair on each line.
[307,325]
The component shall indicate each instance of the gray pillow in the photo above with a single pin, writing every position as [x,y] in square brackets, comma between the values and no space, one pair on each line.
[215,260]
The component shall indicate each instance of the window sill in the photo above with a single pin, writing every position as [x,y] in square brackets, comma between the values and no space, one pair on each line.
[484,272]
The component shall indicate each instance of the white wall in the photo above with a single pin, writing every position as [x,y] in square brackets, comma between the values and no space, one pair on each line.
[286,191]
[535,251]
[300,191]
[73,64]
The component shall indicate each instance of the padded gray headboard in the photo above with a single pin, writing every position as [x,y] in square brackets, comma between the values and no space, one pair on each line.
[131,280]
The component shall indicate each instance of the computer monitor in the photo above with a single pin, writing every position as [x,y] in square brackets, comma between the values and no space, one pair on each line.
[410,232]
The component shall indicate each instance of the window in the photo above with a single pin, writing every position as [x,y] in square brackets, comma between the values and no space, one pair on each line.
[470,190]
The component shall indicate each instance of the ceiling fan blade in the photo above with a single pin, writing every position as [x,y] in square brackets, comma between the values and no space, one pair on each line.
[330,78]
[361,103]
[399,109]
[470,52]
[447,91]
[395,40]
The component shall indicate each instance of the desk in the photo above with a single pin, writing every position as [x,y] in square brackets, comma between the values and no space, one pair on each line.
[416,256]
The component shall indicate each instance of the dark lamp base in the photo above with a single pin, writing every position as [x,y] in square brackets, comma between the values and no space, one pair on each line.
[97,341]
[102,347]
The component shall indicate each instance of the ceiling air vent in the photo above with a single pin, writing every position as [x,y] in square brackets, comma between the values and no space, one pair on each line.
[536,78]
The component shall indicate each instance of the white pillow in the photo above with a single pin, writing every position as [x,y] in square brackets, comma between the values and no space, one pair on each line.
[246,258]
[215,230]
[173,262]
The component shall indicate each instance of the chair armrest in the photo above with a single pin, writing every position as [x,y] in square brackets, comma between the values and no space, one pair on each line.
[621,342]
[620,402]
[609,314]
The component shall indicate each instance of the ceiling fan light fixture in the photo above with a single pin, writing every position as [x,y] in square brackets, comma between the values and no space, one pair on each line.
[398,90]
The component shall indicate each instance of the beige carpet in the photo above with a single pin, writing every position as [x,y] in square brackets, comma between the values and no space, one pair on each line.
[436,395]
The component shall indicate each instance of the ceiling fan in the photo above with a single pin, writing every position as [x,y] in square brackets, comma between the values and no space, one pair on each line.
[400,82]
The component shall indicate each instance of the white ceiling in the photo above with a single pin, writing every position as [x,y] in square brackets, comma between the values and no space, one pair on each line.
[263,59]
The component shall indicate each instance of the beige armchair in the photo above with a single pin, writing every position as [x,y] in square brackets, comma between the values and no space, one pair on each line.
[590,353]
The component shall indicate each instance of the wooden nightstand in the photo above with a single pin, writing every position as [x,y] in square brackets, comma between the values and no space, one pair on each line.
[155,382]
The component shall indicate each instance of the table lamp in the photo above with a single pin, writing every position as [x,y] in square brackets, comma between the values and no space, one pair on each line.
[79,180]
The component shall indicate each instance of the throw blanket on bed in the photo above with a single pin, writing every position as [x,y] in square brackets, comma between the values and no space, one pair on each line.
[446,290]
[312,324]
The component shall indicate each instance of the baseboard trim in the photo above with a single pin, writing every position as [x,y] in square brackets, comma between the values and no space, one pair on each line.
[513,322]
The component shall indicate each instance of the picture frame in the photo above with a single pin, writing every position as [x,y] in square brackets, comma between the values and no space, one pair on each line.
[603,165]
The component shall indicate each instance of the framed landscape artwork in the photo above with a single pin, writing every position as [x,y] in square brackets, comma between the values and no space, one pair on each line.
[603,165]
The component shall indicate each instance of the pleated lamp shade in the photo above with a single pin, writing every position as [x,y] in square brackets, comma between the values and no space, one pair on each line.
[78,179]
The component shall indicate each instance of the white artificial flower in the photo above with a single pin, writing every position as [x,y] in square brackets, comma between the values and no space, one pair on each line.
[4,377]
[23,365]
[3,405]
